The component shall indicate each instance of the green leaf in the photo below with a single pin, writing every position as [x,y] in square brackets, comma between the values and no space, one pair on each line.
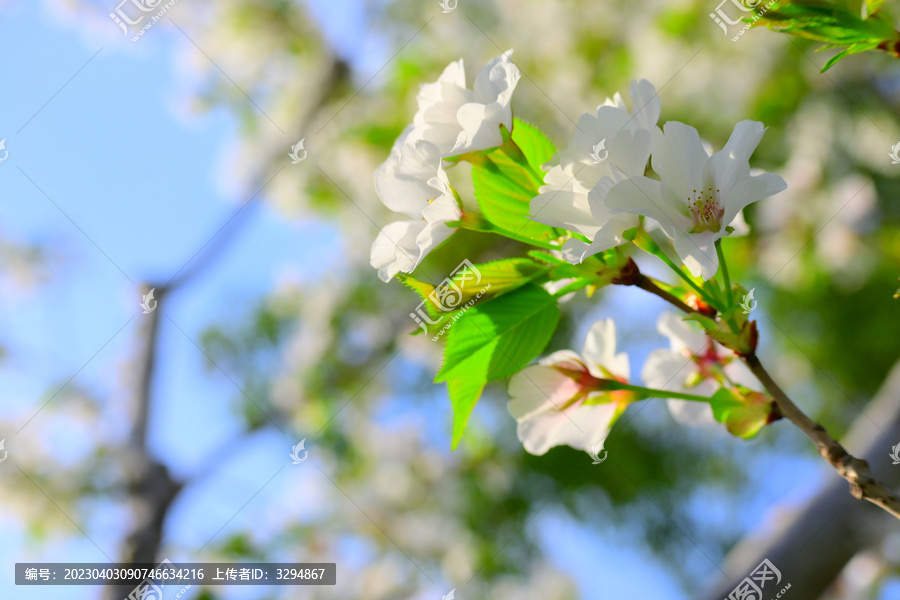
[470,284]
[870,7]
[475,282]
[732,329]
[829,23]
[536,147]
[496,339]
[422,288]
[833,24]
[464,394]
[493,341]
[598,270]
[508,178]
[742,411]
[854,49]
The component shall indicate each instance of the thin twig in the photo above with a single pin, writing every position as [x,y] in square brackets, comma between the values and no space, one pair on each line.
[863,484]
[151,487]
[647,284]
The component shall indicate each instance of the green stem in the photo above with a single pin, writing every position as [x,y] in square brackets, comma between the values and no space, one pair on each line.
[724,266]
[475,222]
[690,281]
[646,243]
[573,287]
[618,385]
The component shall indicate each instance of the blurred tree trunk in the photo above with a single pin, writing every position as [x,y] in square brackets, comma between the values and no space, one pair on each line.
[813,543]
[150,487]
[149,484]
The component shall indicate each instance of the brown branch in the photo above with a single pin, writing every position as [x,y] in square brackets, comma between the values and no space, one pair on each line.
[630,274]
[150,486]
[839,531]
[863,484]
[647,284]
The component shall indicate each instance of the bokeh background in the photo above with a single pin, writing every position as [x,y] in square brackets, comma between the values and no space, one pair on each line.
[163,163]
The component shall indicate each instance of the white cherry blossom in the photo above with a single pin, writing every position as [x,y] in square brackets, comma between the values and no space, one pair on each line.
[698,196]
[457,119]
[693,364]
[412,181]
[560,400]
[574,194]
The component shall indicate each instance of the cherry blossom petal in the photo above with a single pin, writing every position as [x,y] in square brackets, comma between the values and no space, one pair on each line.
[537,389]
[683,335]
[693,414]
[480,128]
[740,373]
[402,181]
[566,359]
[750,190]
[643,196]
[495,84]
[563,202]
[599,350]
[732,163]
[698,252]
[395,249]
[581,429]
[666,370]
[646,105]
[679,157]
[457,119]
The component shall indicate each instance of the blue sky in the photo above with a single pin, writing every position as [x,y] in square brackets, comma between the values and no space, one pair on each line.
[127,193]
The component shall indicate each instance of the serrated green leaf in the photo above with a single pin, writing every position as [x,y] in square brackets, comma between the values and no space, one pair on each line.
[464,394]
[508,178]
[422,288]
[536,147]
[743,414]
[497,339]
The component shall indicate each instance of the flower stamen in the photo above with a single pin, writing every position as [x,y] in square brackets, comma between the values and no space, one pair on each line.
[705,210]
